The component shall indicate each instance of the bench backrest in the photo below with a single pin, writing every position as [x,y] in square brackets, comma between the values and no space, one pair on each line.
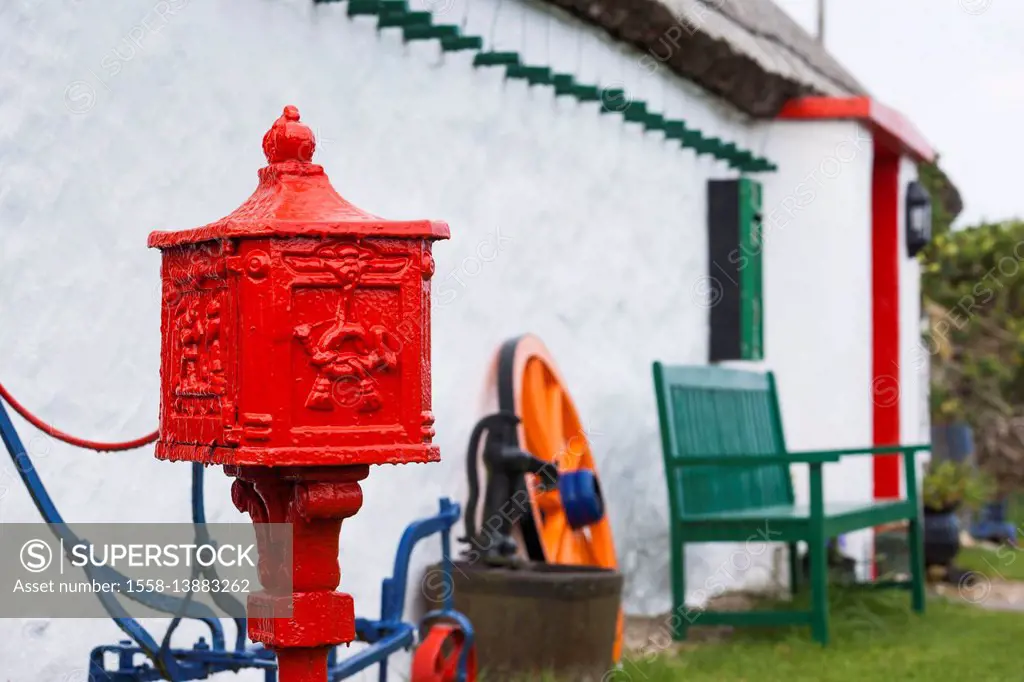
[709,411]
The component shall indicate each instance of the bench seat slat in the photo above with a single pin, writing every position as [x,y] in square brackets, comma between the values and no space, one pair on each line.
[833,510]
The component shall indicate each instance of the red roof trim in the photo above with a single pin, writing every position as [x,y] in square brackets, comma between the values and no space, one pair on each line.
[892,129]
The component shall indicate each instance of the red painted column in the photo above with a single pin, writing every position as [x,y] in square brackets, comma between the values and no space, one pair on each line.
[885,285]
[894,136]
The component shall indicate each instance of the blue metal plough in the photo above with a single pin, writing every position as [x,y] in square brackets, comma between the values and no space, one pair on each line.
[140,658]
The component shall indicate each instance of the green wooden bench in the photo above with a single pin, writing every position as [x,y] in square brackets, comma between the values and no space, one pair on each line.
[728,475]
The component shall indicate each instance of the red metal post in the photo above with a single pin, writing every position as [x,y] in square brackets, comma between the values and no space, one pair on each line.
[886,391]
[296,353]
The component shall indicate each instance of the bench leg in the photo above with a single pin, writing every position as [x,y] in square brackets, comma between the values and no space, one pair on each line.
[915,539]
[818,549]
[794,569]
[680,619]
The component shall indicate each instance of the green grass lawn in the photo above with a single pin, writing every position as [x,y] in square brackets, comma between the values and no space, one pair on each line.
[875,636]
[1005,563]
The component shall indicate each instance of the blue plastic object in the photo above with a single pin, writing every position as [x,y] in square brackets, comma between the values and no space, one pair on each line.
[953,442]
[993,525]
[142,659]
[581,497]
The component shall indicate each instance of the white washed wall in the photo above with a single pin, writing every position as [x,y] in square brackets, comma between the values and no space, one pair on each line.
[817,288]
[148,115]
[136,116]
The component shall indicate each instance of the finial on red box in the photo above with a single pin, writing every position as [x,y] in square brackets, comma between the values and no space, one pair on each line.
[288,139]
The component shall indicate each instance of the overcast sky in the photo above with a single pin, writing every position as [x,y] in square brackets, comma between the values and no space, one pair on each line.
[956,69]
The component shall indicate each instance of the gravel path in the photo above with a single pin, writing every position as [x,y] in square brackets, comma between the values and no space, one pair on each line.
[996,595]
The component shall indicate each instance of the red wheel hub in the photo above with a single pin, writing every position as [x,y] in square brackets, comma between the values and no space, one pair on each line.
[437,657]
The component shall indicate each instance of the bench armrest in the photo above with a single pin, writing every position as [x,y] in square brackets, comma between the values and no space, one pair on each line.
[880,450]
[800,457]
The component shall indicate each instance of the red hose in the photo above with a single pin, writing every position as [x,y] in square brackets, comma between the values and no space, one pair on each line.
[72,440]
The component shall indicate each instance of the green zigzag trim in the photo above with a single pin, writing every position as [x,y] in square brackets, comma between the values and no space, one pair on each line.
[418,25]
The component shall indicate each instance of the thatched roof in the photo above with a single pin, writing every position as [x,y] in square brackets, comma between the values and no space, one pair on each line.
[749,52]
